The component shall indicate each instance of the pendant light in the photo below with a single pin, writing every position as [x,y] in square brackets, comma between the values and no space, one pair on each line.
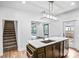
[51,16]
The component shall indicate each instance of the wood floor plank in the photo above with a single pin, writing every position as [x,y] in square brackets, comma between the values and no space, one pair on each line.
[22,54]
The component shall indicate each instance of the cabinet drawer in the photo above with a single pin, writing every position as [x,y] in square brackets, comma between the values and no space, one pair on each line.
[40,50]
[49,52]
[29,55]
[41,55]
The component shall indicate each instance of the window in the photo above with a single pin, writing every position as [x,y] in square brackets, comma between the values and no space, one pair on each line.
[46,30]
[69,28]
[34,29]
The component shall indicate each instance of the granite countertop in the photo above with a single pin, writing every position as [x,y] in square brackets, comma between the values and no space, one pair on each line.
[38,44]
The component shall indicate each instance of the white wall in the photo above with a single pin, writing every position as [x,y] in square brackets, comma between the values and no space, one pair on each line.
[76,39]
[72,15]
[1,38]
[24,25]
[55,28]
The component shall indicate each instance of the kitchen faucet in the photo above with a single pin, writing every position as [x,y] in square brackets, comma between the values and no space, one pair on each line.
[43,38]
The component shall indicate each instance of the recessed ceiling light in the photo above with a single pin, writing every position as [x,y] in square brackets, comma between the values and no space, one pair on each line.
[73,3]
[23,2]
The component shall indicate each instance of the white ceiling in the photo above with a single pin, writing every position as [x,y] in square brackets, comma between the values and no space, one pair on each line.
[59,7]
[64,6]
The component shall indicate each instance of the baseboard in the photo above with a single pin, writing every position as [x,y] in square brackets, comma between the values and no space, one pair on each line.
[1,54]
[74,49]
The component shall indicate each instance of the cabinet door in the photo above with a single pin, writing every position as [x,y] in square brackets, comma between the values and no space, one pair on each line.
[49,52]
[41,55]
[53,51]
[62,49]
[57,50]
[66,47]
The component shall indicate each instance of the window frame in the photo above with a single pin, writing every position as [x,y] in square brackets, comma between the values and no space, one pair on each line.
[46,34]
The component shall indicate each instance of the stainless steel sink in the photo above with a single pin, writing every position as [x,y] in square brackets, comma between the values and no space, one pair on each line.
[47,41]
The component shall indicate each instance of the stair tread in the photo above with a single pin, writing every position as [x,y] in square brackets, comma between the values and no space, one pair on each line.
[9,32]
[9,43]
[10,46]
[9,37]
[8,29]
[9,40]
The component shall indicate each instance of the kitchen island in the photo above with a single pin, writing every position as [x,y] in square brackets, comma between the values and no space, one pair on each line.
[54,47]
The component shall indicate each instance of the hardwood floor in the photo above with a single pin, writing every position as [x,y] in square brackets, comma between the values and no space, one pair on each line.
[73,53]
[16,54]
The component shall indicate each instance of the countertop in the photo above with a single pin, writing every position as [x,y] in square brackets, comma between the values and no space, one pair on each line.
[38,44]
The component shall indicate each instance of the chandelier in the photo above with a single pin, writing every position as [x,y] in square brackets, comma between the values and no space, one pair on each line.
[50,14]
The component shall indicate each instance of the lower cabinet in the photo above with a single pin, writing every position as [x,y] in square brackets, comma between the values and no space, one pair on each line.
[62,49]
[66,47]
[56,50]
[41,55]
[49,51]
[41,52]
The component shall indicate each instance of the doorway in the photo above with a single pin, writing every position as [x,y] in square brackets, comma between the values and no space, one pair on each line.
[68,31]
[9,35]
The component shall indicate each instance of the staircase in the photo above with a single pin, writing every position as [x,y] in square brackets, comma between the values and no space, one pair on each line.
[9,36]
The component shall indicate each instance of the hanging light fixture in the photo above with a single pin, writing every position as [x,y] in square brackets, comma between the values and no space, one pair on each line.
[50,14]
